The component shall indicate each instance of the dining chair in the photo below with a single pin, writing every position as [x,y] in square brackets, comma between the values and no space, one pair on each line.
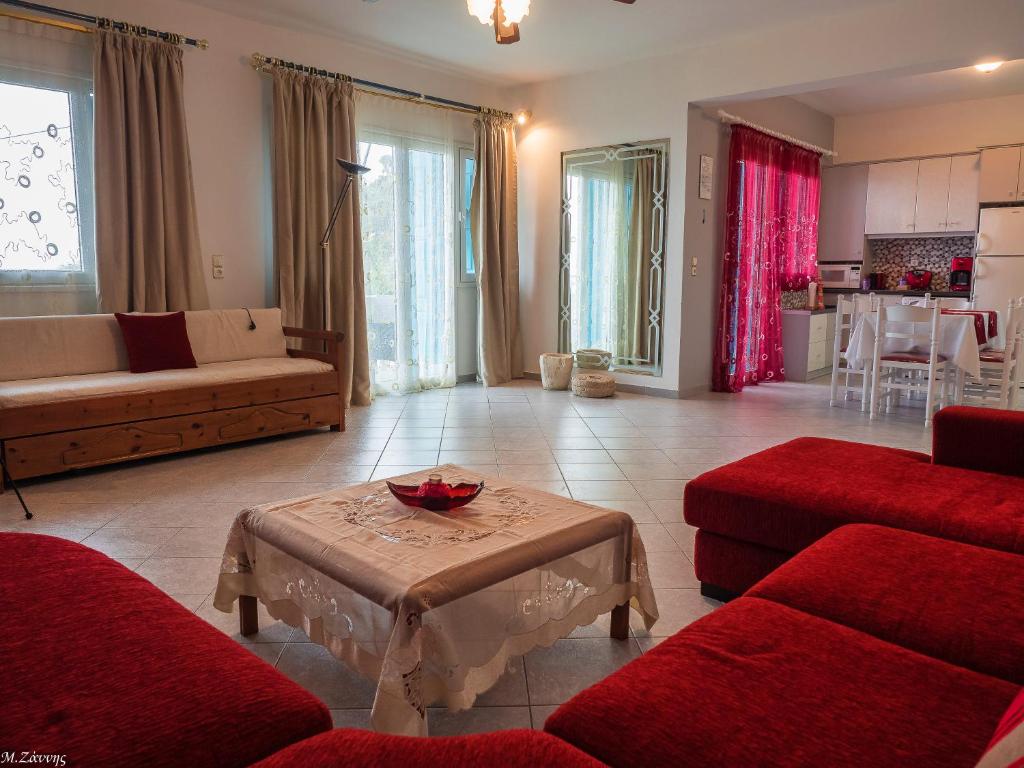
[944,302]
[849,311]
[917,369]
[999,383]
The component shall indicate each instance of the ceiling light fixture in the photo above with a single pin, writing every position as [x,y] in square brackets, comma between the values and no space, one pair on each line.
[514,10]
[988,66]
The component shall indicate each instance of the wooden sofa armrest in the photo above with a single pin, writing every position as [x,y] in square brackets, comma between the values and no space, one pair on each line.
[331,355]
[309,333]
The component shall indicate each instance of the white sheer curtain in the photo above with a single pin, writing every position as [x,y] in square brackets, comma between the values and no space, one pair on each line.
[408,224]
[600,202]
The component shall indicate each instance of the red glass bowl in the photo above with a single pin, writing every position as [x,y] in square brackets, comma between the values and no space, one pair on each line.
[435,495]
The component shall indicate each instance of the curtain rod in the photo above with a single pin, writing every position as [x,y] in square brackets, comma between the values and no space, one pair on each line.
[96,21]
[725,117]
[263,63]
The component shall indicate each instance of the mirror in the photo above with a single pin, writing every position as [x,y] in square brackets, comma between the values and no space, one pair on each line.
[614,200]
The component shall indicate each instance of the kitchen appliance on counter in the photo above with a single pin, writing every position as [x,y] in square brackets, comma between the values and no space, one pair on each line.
[841,274]
[919,279]
[999,265]
[875,282]
[961,268]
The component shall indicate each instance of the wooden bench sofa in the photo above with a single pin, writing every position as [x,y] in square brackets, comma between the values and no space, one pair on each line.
[68,401]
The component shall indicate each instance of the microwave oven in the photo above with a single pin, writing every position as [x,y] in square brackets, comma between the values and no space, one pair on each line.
[840,275]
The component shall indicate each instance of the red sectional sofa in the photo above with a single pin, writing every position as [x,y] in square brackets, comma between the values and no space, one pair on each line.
[875,647]
[756,513]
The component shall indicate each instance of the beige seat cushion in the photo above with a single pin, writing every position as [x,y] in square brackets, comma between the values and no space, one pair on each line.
[60,388]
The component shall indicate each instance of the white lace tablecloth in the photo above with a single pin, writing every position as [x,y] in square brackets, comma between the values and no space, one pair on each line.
[958,342]
[432,606]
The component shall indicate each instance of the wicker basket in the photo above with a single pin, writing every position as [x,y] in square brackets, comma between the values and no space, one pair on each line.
[593,359]
[593,384]
[555,370]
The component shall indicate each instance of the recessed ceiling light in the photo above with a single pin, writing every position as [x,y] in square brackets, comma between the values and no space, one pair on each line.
[988,66]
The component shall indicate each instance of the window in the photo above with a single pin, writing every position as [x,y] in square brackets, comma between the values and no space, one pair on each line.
[407,222]
[46,214]
[467,166]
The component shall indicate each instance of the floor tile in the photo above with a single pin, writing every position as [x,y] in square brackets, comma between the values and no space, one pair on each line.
[573,472]
[558,673]
[315,669]
[351,718]
[583,456]
[129,542]
[602,489]
[185,575]
[677,608]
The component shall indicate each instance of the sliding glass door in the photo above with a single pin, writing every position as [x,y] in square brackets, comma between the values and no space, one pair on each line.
[408,222]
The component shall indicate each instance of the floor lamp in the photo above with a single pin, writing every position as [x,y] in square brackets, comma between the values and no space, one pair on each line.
[351,172]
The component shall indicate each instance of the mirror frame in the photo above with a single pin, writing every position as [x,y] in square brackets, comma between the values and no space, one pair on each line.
[652,364]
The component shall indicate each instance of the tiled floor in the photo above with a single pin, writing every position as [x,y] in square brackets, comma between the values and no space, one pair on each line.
[168,518]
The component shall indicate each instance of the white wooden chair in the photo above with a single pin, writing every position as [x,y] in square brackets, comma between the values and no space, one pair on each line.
[849,310]
[944,302]
[1001,369]
[917,369]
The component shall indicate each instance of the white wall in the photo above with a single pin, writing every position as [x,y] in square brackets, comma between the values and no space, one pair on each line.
[938,129]
[228,119]
[650,99]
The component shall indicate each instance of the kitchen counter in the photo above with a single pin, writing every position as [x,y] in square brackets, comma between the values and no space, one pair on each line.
[915,294]
[825,311]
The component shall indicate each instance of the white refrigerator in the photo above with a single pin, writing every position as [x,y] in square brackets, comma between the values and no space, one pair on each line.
[999,265]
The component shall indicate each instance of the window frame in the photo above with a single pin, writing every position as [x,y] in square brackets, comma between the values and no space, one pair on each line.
[462,224]
[80,95]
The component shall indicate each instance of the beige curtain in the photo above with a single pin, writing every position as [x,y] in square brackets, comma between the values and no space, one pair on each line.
[494,224]
[314,123]
[634,330]
[148,257]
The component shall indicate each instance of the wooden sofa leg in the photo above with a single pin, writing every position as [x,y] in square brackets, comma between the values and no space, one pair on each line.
[717,593]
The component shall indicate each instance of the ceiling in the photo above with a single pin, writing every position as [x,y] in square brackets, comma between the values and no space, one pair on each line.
[885,93]
[559,37]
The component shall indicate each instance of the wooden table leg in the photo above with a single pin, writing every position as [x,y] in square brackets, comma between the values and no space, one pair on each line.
[620,622]
[248,618]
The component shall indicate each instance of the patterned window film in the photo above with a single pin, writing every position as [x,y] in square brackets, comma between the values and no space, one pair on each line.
[46,211]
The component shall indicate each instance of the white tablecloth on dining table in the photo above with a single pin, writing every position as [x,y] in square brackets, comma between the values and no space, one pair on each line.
[958,342]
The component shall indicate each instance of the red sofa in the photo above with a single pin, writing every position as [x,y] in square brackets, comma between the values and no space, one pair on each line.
[98,665]
[756,513]
[871,648]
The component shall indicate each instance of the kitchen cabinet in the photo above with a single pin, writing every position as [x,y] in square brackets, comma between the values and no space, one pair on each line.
[964,172]
[936,194]
[932,194]
[807,343]
[892,198]
[844,194]
[1000,180]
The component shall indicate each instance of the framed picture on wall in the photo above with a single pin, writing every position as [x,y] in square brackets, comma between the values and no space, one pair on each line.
[707,177]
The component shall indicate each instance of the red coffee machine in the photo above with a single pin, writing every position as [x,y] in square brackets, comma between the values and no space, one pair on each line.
[960,271]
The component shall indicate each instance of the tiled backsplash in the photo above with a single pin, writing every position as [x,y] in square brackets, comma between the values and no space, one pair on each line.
[894,258]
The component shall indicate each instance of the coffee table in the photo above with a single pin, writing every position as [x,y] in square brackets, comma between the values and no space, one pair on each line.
[433,605]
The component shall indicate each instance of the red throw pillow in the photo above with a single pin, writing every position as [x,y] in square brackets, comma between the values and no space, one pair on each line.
[156,342]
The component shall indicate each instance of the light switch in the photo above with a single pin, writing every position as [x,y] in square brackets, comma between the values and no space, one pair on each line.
[218,260]
[218,266]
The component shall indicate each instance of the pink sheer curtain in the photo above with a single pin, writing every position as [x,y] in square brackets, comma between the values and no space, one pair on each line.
[771,243]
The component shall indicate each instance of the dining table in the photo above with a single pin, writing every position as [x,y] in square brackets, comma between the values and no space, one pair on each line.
[962,335]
